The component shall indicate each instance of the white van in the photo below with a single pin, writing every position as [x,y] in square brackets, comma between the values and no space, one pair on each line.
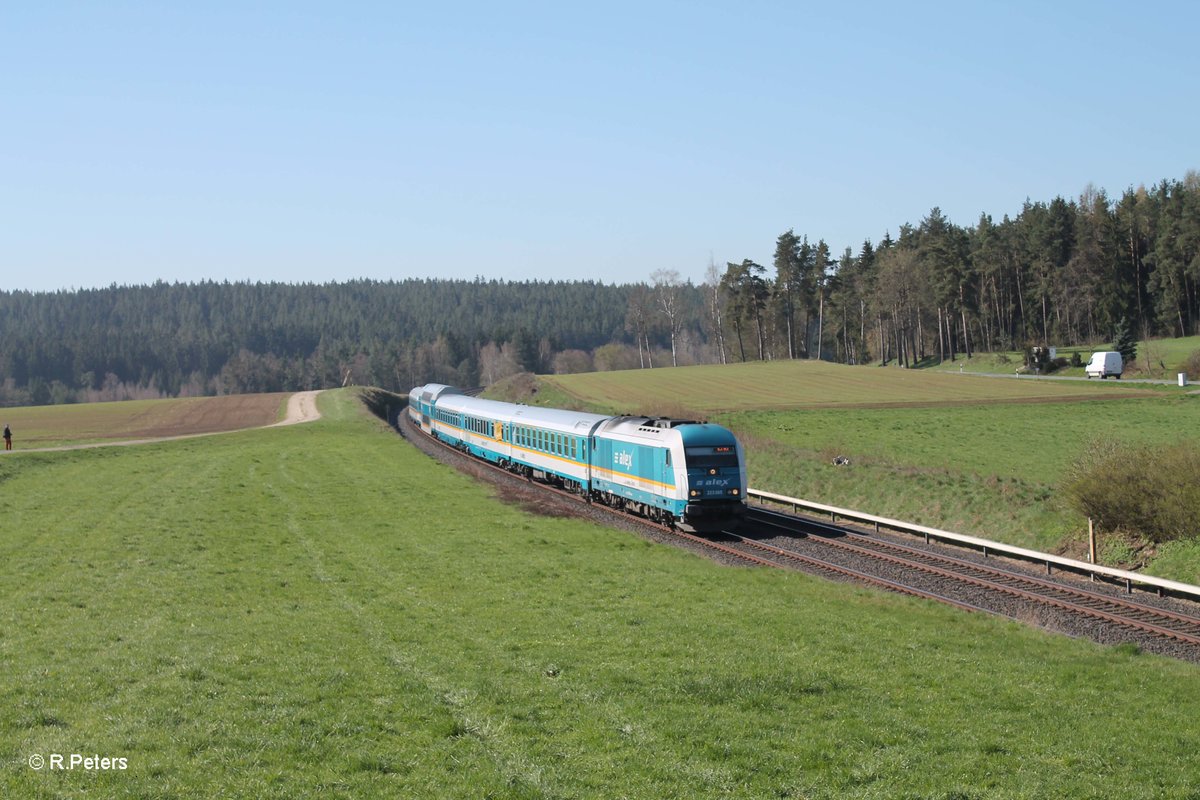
[1104,364]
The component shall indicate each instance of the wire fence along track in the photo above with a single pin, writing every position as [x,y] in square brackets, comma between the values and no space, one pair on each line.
[1128,579]
[1114,610]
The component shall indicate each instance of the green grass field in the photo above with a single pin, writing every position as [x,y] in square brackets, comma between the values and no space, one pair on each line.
[322,611]
[790,385]
[1161,359]
[983,456]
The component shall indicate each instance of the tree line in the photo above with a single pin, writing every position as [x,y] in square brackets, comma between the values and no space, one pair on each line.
[1066,272]
[220,338]
[1063,272]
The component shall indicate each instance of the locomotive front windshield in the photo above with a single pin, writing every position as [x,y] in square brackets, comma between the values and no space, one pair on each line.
[710,457]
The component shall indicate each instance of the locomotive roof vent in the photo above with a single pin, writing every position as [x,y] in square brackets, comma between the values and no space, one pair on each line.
[665,423]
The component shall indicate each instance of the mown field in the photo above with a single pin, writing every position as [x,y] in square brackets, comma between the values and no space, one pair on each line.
[56,426]
[984,456]
[791,385]
[322,611]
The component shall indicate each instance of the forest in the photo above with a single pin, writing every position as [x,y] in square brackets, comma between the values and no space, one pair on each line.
[1063,272]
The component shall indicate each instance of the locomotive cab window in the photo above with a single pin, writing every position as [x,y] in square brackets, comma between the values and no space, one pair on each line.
[708,457]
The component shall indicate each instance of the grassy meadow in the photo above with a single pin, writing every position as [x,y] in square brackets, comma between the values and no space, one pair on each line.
[984,456]
[322,611]
[793,385]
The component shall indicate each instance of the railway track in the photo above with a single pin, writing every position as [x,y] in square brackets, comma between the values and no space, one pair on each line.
[985,584]
[844,554]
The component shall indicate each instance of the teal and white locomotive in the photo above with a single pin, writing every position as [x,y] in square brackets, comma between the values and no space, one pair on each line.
[690,475]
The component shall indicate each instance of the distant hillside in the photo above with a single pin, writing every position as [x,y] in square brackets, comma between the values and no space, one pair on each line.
[193,339]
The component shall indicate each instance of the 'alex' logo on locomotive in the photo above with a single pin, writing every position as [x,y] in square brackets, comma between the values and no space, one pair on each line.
[623,459]
[713,482]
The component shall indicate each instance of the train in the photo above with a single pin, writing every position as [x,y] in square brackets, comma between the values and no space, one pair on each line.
[680,473]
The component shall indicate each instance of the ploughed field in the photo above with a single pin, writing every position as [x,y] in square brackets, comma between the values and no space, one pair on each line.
[322,610]
[87,423]
[983,456]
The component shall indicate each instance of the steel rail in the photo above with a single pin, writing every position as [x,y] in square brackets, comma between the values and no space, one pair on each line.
[1160,614]
[1007,582]
[837,569]
[1128,578]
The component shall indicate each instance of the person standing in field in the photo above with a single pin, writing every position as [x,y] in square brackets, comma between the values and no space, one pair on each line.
[7,437]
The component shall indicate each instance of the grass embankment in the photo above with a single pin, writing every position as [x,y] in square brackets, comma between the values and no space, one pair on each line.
[89,423]
[970,454]
[292,612]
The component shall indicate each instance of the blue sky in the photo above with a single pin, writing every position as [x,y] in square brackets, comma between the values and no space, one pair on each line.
[330,141]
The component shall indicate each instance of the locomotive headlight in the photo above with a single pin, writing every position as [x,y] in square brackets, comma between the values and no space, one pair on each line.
[712,471]
[734,492]
[694,493]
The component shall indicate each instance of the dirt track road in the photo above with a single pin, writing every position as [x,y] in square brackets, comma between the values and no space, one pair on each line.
[301,407]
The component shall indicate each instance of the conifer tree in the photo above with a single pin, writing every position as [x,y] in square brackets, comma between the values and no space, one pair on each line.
[1124,341]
